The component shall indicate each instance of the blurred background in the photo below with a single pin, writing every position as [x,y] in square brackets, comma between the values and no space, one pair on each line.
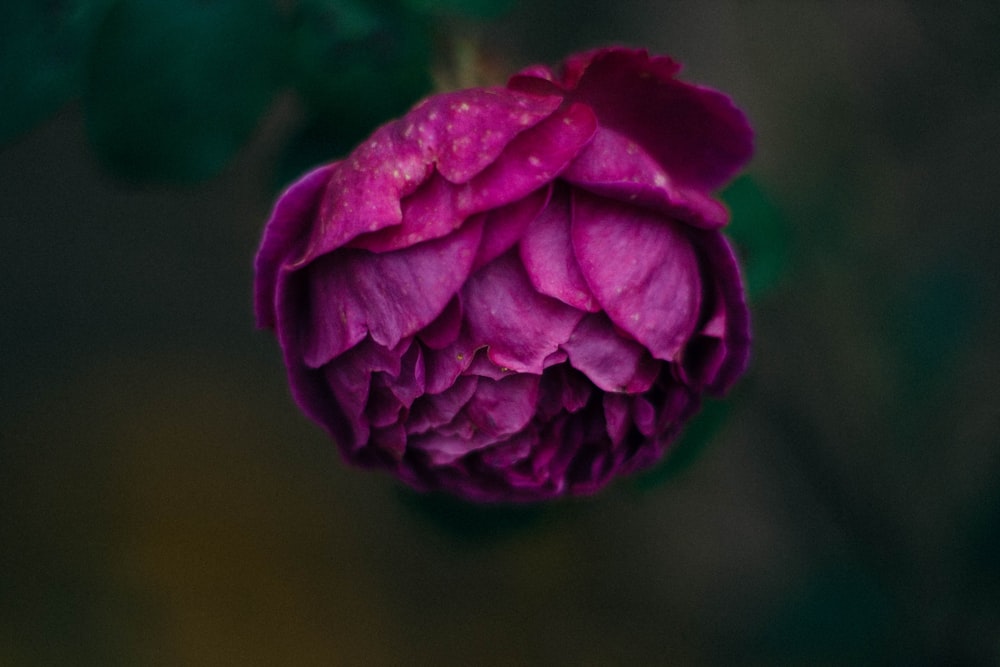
[162,500]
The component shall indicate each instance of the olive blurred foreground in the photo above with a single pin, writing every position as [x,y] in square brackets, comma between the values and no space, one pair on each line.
[516,293]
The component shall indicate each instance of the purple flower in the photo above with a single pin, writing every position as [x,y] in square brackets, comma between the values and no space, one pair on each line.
[516,293]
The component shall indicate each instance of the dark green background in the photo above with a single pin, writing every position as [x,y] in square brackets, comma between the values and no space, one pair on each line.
[162,501]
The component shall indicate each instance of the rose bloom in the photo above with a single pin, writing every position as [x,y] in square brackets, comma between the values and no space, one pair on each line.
[516,293]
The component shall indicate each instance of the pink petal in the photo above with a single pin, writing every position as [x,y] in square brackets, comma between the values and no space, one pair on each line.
[391,295]
[311,391]
[695,133]
[428,213]
[468,129]
[562,388]
[460,133]
[511,451]
[390,439]
[547,253]
[501,408]
[444,365]
[642,269]
[520,326]
[644,415]
[615,166]
[442,449]
[503,227]
[349,380]
[483,367]
[528,162]
[611,362]
[434,410]
[409,383]
[616,417]
[443,331]
[383,407]
[724,271]
[287,227]
[531,160]
[574,67]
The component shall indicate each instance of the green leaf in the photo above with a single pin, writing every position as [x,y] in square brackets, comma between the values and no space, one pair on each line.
[760,232]
[689,447]
[177,86]
[43,46]
[359,64]
[472,8]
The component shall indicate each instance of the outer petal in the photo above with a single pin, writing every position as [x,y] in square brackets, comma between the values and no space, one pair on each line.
[288,226]
[724,270]
[531,160]
[528,162]
[611,362]
[575,66]
[520,326]
[428,213]
[695,133]
[460,133]
[548,256]
[642,269]
[391,295]
[615,166]
[503,227]
[308,386]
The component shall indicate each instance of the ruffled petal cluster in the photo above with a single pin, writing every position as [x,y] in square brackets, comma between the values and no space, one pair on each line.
[516,293]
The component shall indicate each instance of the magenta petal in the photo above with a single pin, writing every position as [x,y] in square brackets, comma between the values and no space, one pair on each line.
[562,388]
[390,439]
[444,330]
[444,365]
[642,269]
[511,451]
[644,415]
[461,133]
[434,410]
[616,417]
[409,383]
[547,254]
[442,449]
[616,167]
[520,326]
[610,361]
[309,387]
[532,159]
[391,295]
[500,408]
[467,129]
[503,227]
[574,67]
[384,408]
[531,72]
[287,226]
[695,133]
[428,213]
[483,367]
[724,269]
[349,379]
